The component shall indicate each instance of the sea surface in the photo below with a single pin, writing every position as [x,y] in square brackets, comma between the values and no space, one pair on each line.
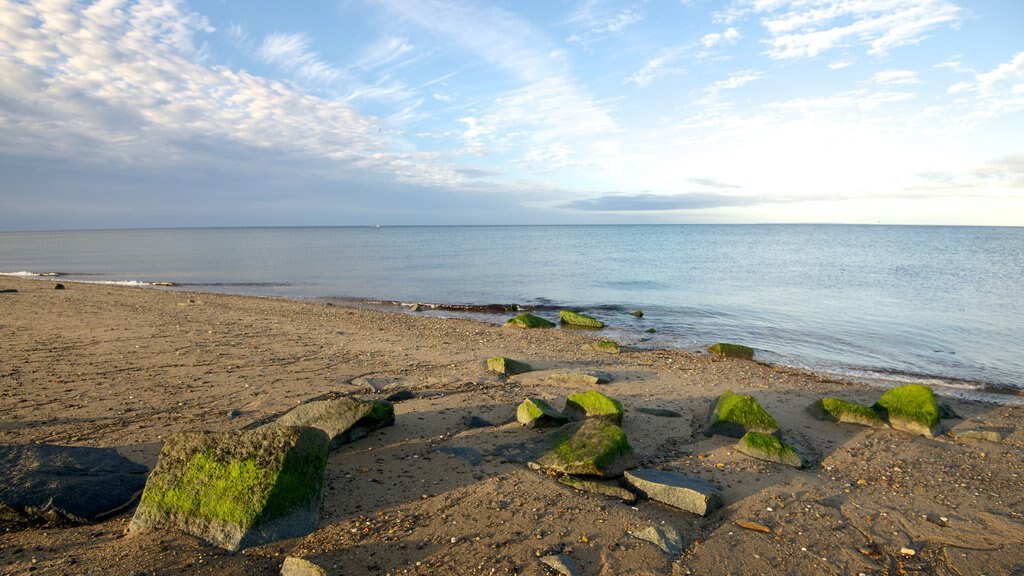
[882,304]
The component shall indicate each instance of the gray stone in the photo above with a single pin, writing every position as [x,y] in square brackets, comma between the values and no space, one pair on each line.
[561,564]
[675,489]
[237,489]
[977,434]
[472,422]
[603,487]
[294,566]
[579,378]
[66,483]
[664,536]
[344,419]
[946,412]
[662,412]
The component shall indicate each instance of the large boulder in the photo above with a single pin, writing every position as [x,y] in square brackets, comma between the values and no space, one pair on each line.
[507,366]
[237,489]
[736,414]
[576,319]
[725,350]
[594,447]
[529,321]
[770,448]
[66,483]
[675,489]
[911,408]
[343,419]
[844,411]
[593,404]
[537,413]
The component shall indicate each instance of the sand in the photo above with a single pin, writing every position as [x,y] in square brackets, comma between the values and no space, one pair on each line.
[121,367]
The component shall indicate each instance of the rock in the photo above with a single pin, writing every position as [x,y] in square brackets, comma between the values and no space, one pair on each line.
[294,566]
[664,536]
[66,483]
[911,408]
[561,564]
[675,489]
[606,346]
[400,396]
[770,448]
[755,526]
[725,350]
[637,313]
[576,319]
[529,321]
[736,414]
[58,286]
[344,419]
[507,366]
[234,413]
[594,447]
[473,422]
[536,413]
[8,291]
[846,412]
[908,551]
[237,489]
[984,435]
[603,487]
[662,412]
[417,307]
[580,378]
[946,412]
[593,404]
[651,330]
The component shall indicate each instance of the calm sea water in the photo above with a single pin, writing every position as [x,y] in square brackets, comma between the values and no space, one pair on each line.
[887,304]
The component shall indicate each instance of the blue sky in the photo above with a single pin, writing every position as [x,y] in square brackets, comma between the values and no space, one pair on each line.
[362,112]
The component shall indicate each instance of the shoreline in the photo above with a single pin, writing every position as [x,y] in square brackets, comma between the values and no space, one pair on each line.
[109,366]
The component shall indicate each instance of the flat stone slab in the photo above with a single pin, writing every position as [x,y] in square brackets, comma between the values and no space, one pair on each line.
[608,488]
[664,536]
[675,489]
[66,483]
[344,419]
[237,489]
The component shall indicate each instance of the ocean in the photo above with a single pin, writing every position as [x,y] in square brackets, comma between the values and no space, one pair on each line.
[880,304]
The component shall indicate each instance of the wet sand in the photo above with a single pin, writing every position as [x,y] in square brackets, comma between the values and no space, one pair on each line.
[123,367]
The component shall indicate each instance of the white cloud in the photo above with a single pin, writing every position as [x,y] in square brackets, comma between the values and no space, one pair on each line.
[730,36]
[292,52]
[805,29]
[655,67]
[840,64]
[595,19]
[997,92]
[896,77]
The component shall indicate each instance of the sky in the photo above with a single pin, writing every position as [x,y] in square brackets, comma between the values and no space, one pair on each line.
[133,114]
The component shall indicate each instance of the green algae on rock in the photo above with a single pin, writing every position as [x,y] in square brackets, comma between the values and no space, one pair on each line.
[725,350]
[343,419]
[607,346]
[237,489]
[770,448]
[736,414]
[844,411]
[911,408]
[577,319]
[593,404]
[529,321]
[507,366]
[594,447]
[537,413]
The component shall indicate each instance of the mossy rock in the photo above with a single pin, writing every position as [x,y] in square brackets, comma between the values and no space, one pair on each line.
[537,413]
[606,346]
[237,489]
[529,321]
[343,419]
[911,408]
[844,411]
[736,414]
[725,350]
[593,404]
[770,448]
[637,313]
[507,366]
[576,319]
[594,447]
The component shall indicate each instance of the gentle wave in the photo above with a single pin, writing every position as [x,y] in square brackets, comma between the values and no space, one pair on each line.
[27,274]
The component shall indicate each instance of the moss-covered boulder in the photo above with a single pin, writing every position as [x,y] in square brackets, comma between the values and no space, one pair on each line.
[237,489]
[529,321]
[725,350]
[606,346]
[736,414]
[594,447]
[577,319]
[507,366]
[844,411]
[911,408]
[537,413]
[344,419]
[771,448]
[593,404]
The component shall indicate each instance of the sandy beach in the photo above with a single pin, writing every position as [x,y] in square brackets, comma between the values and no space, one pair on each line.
[107,366]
